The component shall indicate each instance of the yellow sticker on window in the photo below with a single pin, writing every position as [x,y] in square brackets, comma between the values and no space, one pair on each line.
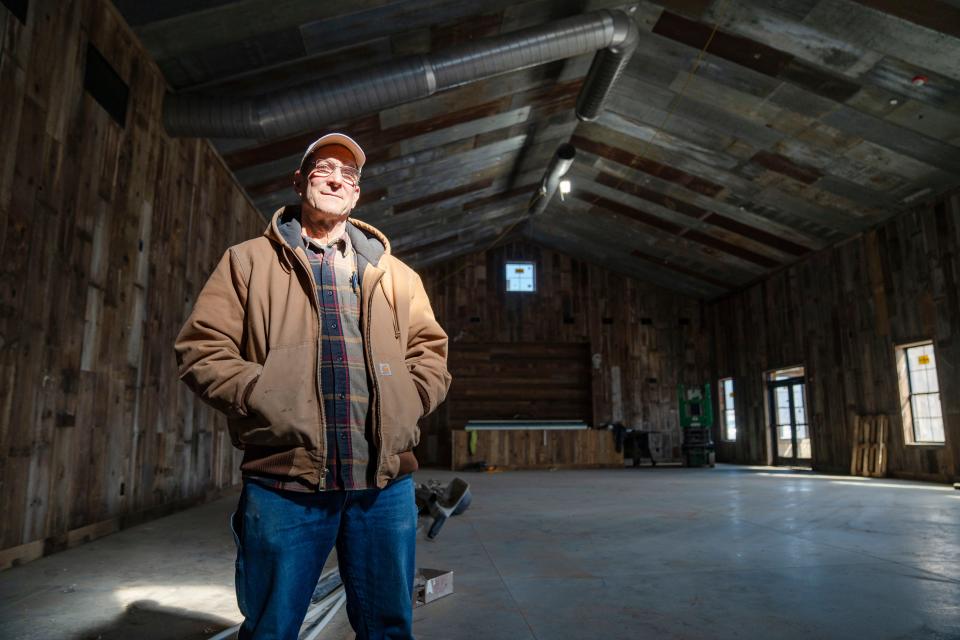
[923,359]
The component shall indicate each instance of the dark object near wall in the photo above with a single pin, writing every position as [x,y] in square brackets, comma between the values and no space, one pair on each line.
[18,8]
[106,86]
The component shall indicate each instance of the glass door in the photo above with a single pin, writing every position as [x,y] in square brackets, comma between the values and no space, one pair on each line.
[788,417]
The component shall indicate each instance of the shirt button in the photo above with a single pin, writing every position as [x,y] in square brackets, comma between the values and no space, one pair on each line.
[333,325]
[329,293]
[339,358]
[343,435]
[343,396]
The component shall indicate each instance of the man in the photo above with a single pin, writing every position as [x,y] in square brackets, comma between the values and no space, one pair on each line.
[322,350]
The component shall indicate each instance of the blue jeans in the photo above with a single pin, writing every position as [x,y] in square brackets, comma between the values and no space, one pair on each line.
[283,540]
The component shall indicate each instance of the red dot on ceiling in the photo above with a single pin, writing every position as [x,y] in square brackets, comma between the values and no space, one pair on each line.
[919,81]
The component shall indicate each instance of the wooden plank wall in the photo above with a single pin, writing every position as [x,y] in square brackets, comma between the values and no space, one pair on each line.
[840,313]
[107,232]
[648,339]
[522,380]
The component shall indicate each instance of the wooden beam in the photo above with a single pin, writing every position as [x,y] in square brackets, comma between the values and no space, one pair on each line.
[932,14]
[673,266]
[675,229]
[648,165]
[503,195]
[756,56]
[785,166]
[409,205]
[757,235]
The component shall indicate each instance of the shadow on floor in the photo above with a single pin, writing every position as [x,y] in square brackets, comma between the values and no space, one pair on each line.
[148,620]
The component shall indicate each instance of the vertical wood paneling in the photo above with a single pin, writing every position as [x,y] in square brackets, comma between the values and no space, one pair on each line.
[655,337]
[840,313]
[107,234]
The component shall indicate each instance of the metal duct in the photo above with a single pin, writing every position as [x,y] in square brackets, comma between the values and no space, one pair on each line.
[612,34]
[559,165]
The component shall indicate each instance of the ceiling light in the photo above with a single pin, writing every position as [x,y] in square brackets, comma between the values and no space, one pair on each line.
[565,187]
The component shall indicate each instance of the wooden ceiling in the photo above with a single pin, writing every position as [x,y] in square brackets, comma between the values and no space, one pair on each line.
[801,126]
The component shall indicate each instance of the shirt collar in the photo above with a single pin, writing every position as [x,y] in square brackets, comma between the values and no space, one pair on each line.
[342,243]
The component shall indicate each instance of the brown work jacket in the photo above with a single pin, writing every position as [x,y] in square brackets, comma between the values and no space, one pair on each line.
[251,349]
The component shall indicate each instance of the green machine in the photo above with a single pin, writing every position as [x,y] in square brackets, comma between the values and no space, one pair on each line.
[696,422]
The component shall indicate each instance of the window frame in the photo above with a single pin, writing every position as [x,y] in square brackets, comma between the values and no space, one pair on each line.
[723,409]
[507,264]
[905,386]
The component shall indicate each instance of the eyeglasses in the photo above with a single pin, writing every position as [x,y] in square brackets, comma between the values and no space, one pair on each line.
[324,168]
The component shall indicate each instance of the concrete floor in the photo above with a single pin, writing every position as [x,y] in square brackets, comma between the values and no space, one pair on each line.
[730,552]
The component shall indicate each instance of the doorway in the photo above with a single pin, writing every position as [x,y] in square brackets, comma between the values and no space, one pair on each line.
[787,399]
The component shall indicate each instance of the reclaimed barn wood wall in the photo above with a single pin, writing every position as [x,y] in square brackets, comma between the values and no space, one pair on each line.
[520,380]
[840,314]
[648,338]
[107,232]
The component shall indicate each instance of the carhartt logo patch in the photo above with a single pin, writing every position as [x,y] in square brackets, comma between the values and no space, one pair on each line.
[385,369]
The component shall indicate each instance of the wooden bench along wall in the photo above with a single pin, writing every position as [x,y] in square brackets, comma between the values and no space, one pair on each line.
[537,449]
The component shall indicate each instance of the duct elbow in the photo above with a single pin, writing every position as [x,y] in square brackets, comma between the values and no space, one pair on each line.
[607,66]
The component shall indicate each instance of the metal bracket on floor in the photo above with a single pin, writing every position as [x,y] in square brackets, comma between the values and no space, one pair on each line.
[327,598]
[441,501]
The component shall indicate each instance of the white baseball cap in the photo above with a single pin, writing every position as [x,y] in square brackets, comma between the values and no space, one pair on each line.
[342,140]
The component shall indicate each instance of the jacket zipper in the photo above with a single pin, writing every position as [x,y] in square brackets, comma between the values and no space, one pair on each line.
[378,430]
[322,437]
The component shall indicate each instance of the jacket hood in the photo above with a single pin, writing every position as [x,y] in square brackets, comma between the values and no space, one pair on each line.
[368,241]
[369,246]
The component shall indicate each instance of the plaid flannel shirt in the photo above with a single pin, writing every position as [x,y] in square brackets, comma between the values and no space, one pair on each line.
[343,371]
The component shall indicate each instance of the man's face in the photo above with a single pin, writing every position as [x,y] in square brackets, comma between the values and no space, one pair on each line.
[329,194]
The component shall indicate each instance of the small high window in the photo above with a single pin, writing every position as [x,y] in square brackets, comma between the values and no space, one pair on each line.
[521,276]
[920,394]
[728,413]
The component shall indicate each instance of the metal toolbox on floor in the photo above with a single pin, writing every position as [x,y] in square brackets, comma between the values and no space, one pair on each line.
[430,585]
